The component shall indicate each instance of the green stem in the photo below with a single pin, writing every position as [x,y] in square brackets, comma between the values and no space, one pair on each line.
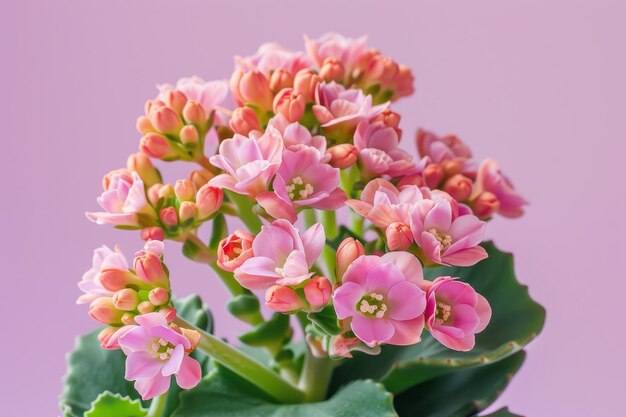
[228,279]
[157,405]
[310,217]
[316,374]
[204,163]
[329,221]
[246,367]
[356,223]
[245,212]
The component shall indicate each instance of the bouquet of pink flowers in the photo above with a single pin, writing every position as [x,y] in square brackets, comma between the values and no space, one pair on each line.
[399,306]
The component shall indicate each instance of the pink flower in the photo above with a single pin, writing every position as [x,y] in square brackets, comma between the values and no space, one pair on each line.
[490,179]
[154,352]
[124,196]
[302,181]
[296,136]
[333,45]
[210,95]
[335,104]
[103,257]
[455,313]
[234,250]
[281,256]
[272,56]
[382,296]
[378,148]
[249,163]
[441,149]
[445,237]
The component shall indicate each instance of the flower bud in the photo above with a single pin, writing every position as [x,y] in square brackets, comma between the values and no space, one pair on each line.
[187,211]
[282,299]
[305,82]
[143,125]
[209,200]
[169,216]
[145,307]
[413,179]
[280,78]
[244,120]
[184,190]
[153,194]
[165,119]
[189,134]
[194,113]
[390,119]
[114,279]
[289,104]
[459,187]
[159,296]
[332,70]
[233,250]
[176,100]
[102,309]
[166,191]
[193,336]
[199,177]
[149,268]
[142,165]
[318,291]
[153,105]
[433,174]
[126,299]
[128,319]
[234,81]
[399,236]
[347,252]
[156,146]
[381,70]
[451,167]
[169,313]
[152,233]
[485,205]
[342,156]
[255,89]
[109,336]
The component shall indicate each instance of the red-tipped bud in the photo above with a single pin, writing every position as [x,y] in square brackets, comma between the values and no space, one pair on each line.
[305,82]
[342,156]
[187,211]
[254,88]
[199,178]
[194,113]
[150,269]
[176,100]
[145,307]
[332,70]
[126,299]
[244,120]
[159,296]
[169,313]
[209,200]
[433,174]
[280,78]
[166,191]
[152,233]
[485,205]
[109,336]
[318,292]
[115,279]
[156,146]
[102,309]
[283,299]
[141,164]
[414,179]
[399,236]
[153,105]
[143,125]
[349,250]
[169,216]
[459,187]
[189,134]
[289,104]
[165,119]
[184,190]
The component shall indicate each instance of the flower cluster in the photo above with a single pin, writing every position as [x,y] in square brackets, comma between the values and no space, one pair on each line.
[310,132]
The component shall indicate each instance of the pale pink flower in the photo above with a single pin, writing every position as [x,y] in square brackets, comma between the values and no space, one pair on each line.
[335,104]
[446,238]
[333,45]
[455,313]
[90,284]
[441,149]
[233,250]
[378,149]
[302,181]
[383,298]
[281,256]
[296,136]
[272,56]
[250,163]
[154,352]
[491,179]
[209,94]
[124,196]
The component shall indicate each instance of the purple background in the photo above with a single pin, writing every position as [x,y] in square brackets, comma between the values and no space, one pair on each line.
[538,85]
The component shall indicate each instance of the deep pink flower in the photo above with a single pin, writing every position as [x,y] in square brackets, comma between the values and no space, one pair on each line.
[446,238]
[209,94]
[90,284]
[378,149]
[491,179]
[296,136]
[281,256]
[335,104]
[333,45]
[233,250]
[154,352]
[441,149]
[124,196]
[272,56]
[250,163]
[383,298]
[455,313]
[302,181]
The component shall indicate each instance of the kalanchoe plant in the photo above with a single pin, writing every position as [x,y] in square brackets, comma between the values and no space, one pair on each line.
[400,310]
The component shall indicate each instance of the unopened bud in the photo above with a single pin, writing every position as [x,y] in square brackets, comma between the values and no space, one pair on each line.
[166,191]
[452,167]
[332,70]
[433,174]
[194,113]
[254,88]
[165,119]
[459,187]
[159,296]
[342,156]
[169,216]
[128,319]
[187,211]
[184,190]
[142,165]
[413,179]
[176,100]
[152,233]
[143,125]
[244,120]
[305,82]
[109,336]
[145,307]
[209,200]
[149,268]
[169,313]
[485,205]
[318,292]
[102,309]
[399,236]
[349,250]
[289,104]
[189,134]
[126,299]
[114,279]
[153,194]
[199,177]
[282,299]
[280,78]
[156,146]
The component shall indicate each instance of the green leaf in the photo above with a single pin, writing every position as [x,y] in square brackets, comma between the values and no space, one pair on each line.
[516,320]
[219,230]
[272,333]
[326,321]
[459,394]
[244,307]
[503,412]
[109,405]
[223,394]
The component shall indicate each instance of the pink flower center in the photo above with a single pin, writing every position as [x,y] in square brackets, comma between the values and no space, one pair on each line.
[444,239]
[443,312]
[372,305]
[233,249]
[298,189]
[161,349]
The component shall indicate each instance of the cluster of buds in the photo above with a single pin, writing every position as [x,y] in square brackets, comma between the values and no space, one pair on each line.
[310,296]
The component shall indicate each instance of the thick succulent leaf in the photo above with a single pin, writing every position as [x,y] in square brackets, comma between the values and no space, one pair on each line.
[223,394]
[503,412]
[459,394]
[516,320]
[109,405]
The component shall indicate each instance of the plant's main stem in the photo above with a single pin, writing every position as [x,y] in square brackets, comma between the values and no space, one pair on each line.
[329,220]
[316,374]
[157,405]
[246,367]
